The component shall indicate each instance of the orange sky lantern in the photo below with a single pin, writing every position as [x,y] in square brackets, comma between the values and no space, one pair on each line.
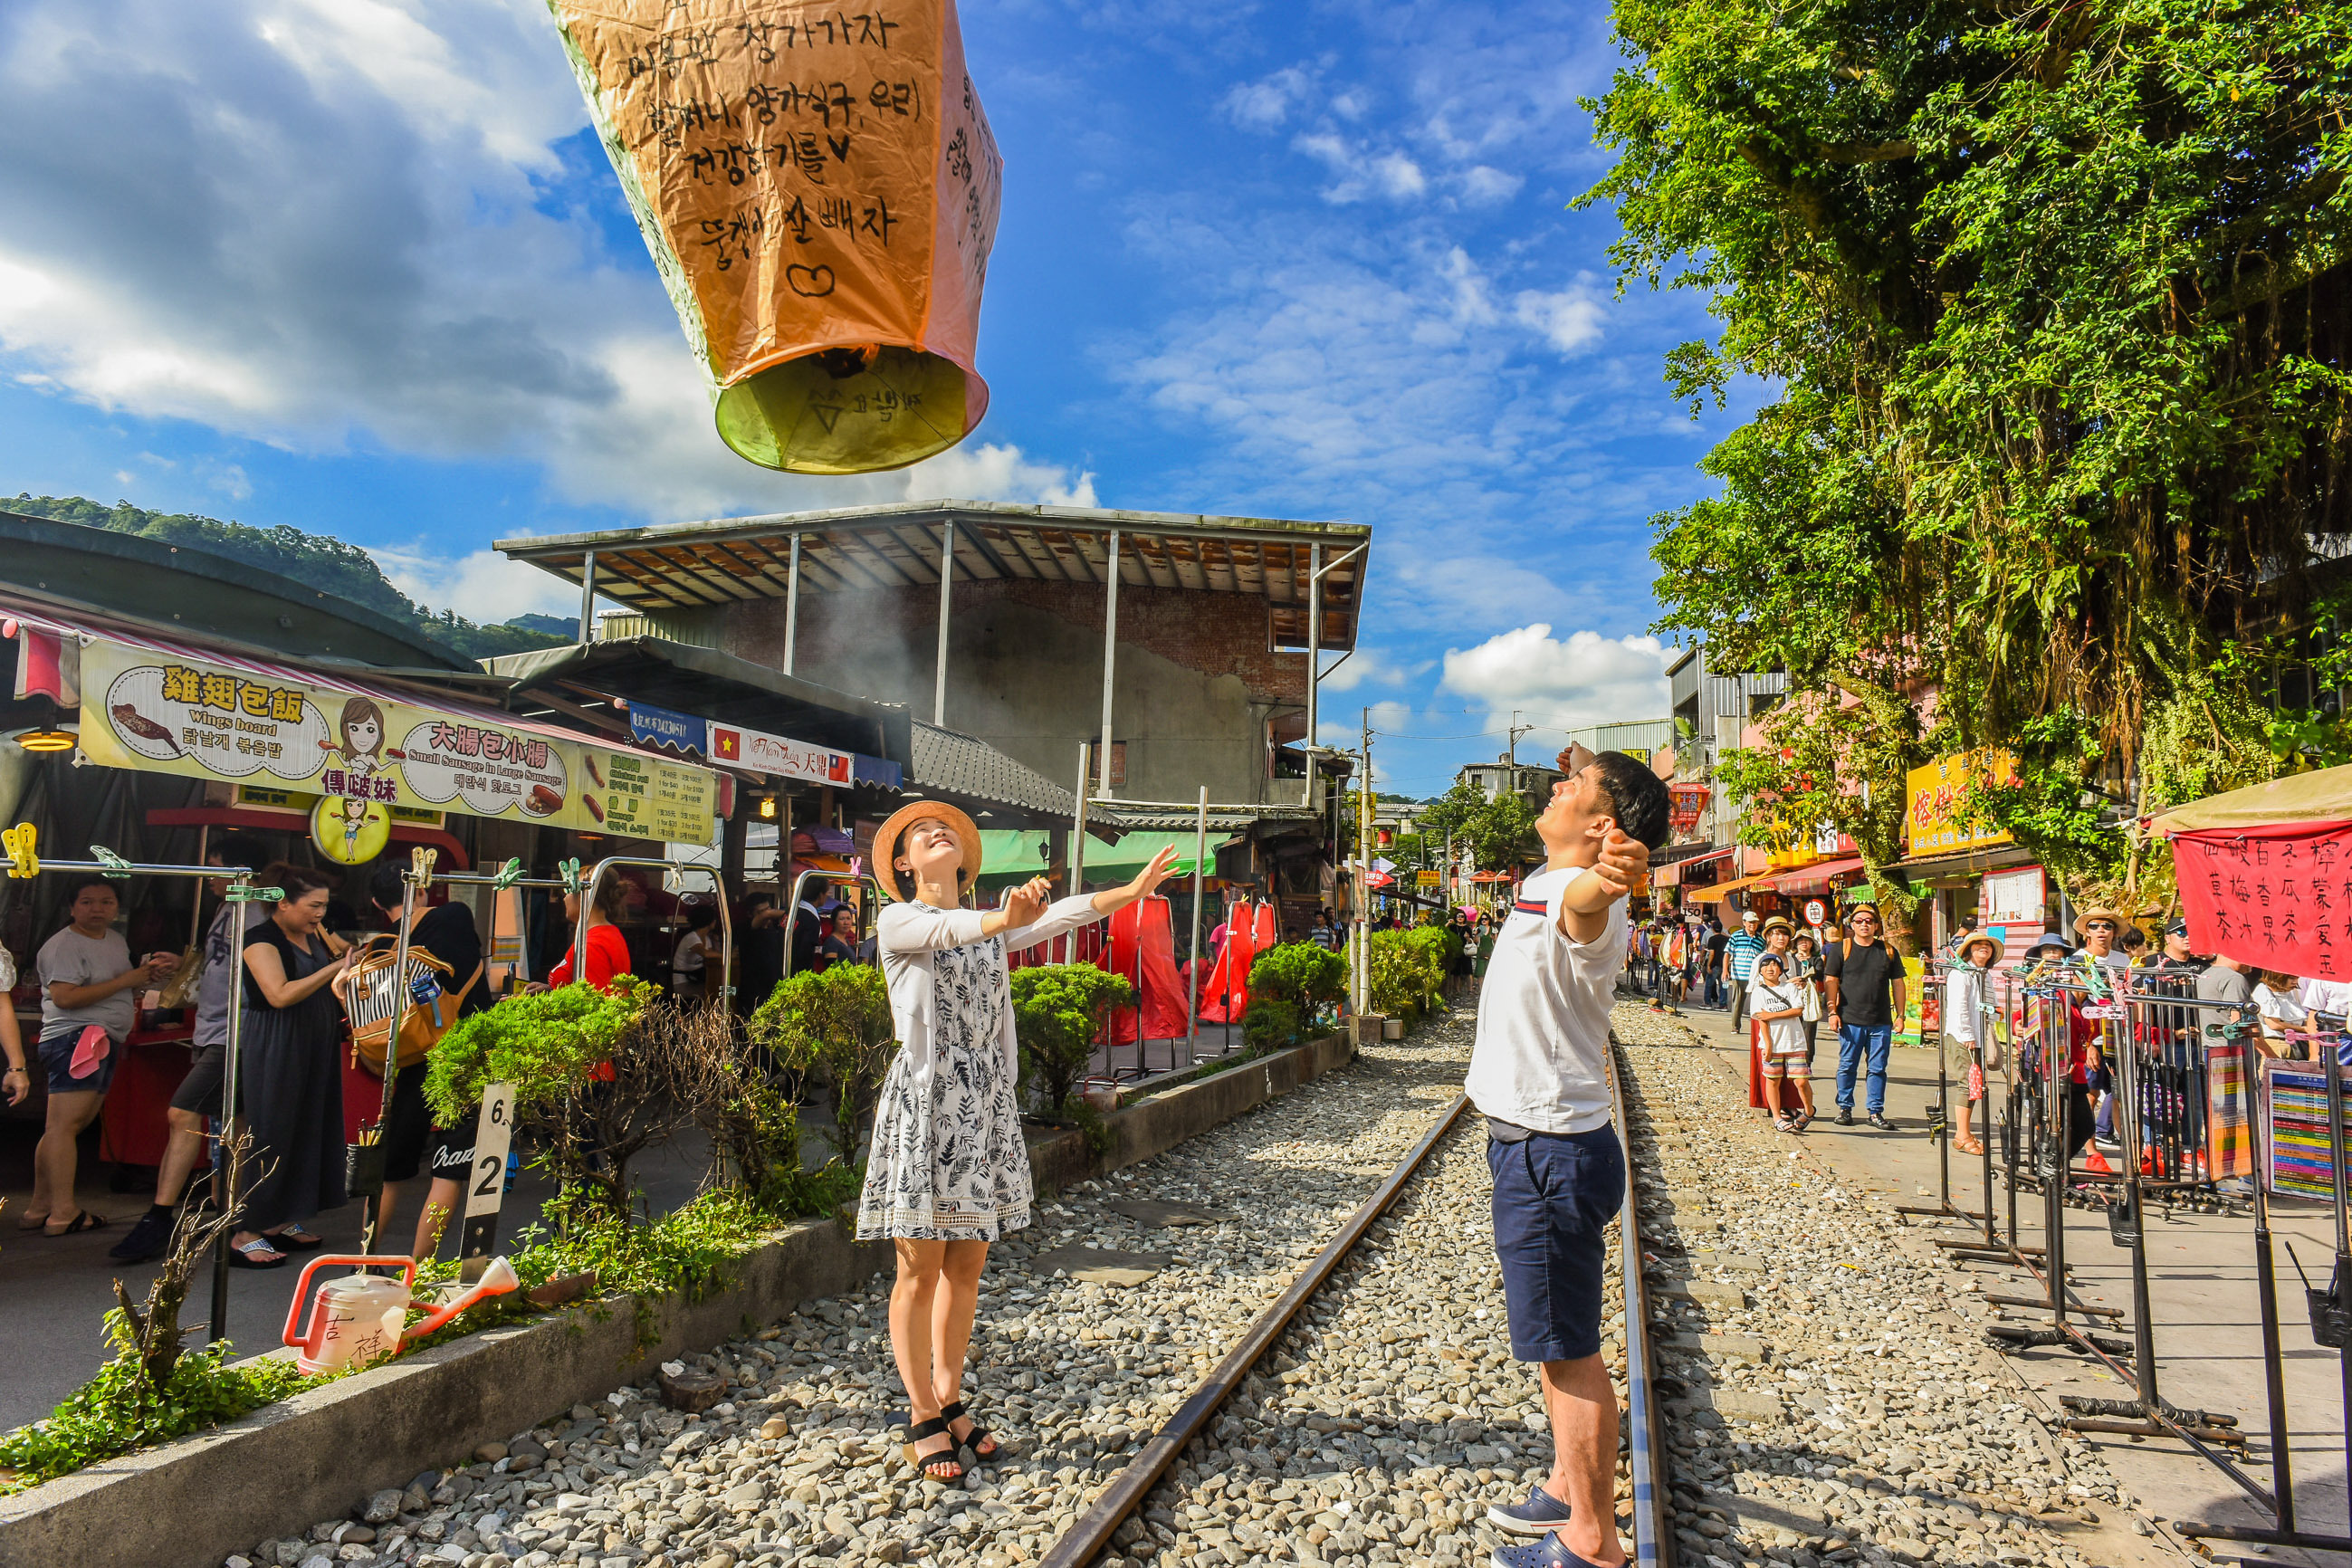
[819,188]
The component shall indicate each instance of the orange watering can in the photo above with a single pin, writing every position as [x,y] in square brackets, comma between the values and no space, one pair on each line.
[359,1320]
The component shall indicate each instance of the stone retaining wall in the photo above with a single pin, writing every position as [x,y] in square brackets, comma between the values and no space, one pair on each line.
[191,1503]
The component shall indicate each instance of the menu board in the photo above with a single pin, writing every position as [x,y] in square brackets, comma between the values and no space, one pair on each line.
[161,713]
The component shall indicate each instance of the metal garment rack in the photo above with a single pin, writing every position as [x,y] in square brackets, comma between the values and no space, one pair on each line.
[24,866]
[416,879]
[591,879]
[2336,1303]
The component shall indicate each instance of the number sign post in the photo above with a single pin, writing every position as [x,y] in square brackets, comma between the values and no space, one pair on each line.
[486,1186]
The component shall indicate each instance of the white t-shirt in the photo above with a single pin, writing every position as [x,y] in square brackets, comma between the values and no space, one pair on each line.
[2279,1009]
[1781,1036]
[1540,1057]
[2326,996]
[70,958]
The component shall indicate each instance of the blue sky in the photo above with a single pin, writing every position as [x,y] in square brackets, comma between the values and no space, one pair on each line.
[359,267]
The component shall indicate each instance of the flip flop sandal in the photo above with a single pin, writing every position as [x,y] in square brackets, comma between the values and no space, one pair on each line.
[932,1466]
[33,1222]
[294,1238]
[973,1440]
[80,1222]
[241,1255]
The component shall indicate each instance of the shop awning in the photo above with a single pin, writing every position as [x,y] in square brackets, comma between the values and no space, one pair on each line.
[1722,891]
[154,704]
[1815,878]
[2325,796]
[1011,855]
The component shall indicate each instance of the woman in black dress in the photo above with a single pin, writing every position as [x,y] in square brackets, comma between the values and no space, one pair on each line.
[289,1080]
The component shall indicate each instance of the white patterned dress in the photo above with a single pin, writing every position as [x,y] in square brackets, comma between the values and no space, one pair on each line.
[949,1163]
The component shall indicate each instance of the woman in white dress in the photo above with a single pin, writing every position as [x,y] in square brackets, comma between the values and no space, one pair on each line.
[949,1172]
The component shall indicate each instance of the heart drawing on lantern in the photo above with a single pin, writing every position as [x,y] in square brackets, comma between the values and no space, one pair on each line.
[808,282]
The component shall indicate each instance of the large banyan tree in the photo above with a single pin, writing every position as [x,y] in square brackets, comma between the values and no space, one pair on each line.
[2050,303]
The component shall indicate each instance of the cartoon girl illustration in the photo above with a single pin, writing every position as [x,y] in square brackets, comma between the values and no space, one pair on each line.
[361,732]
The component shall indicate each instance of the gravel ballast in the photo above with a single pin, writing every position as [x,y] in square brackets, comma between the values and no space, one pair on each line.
[1822,1407]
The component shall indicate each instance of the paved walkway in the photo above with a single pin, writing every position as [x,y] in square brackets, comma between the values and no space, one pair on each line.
[2202,1282]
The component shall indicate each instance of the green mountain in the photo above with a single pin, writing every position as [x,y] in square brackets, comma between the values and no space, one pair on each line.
[314,560]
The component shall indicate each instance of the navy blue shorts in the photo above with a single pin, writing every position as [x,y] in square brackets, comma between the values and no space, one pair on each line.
[58,1054]
[1555,1196]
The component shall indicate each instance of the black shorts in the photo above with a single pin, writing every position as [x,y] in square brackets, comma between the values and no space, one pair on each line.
[1554,1197]
[199,1093]
[411,1142]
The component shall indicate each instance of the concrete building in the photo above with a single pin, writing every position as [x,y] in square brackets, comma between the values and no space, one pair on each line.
[1530,778]
[1642,738]
[1178,640]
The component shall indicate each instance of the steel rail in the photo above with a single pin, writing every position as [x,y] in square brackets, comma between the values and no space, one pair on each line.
[1090,1537]
[1653,1537]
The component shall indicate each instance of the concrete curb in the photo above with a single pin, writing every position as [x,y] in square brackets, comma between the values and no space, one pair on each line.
[289,1464]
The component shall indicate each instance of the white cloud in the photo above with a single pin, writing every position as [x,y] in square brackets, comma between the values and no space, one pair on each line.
[1583,679]
[995,473]
[1483,186]
[481,587]
[1571,321]
[1369,664]
[1265,104]
[340,224]
[1346,734]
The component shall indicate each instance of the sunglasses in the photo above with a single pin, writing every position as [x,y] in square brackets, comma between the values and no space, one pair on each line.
[2098,925]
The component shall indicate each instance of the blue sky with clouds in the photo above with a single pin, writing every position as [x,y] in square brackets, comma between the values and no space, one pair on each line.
[359,267]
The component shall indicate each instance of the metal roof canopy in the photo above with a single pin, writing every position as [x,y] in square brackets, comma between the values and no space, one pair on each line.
[713,685]
[707,565]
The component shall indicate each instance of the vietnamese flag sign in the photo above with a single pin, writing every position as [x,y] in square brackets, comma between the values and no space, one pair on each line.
[2273,897]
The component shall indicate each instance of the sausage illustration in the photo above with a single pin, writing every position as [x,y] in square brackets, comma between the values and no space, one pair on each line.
[146,729]
[596,807]
[543,801]
[595,773]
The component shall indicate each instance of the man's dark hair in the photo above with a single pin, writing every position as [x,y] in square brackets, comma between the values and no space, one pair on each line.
[701,917]
[1637,797]
[239,850]
[384,886]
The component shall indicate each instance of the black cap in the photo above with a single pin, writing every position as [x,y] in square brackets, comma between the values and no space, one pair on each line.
[2177,928]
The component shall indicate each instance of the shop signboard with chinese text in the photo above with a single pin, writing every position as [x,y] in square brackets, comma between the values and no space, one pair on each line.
[1933,796]
[762,752]
[1684,803]
[158,712]
[2015,898]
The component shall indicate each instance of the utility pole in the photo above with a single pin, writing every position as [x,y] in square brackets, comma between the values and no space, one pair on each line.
[1363,976]
[1516,730]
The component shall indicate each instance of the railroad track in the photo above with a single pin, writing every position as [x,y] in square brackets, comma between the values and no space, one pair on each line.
[1411,1514]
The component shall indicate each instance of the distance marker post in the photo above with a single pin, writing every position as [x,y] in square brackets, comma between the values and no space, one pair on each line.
[485,1183]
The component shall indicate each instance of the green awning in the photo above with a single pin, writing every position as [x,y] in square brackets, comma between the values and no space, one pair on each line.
[1012,856]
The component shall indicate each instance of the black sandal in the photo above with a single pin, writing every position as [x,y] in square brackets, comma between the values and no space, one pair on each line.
[82,1221]
[241,1255]
[928,1464]
[979,1435]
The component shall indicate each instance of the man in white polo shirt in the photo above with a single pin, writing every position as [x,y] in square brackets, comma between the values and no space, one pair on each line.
[1539,1073]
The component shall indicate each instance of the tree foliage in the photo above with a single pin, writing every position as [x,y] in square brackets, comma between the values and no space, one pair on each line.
[835,1023]
[1500,832]
[2051,299]
[1058,1012]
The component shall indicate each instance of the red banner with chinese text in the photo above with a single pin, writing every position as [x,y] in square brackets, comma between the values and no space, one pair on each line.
[2275,897]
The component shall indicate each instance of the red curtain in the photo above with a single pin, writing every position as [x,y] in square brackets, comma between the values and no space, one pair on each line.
[1224,996]
[1146,923]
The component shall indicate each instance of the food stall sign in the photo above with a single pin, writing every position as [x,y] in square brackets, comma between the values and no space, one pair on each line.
[1932,794]
[764,754]
[163,712]
[301,803]
[666,730]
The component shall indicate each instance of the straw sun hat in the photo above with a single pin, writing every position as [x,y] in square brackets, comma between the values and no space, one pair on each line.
[887,838]
[1970,939]
[2101,913]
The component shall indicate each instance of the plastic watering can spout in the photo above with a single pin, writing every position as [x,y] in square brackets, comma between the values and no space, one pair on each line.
[497,1279]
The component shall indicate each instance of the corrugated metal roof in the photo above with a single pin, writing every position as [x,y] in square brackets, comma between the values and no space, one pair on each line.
[732,560]
[994,787]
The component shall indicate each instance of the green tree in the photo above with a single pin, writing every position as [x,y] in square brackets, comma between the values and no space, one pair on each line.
[1500,832]
[834,1023]
[1058,1011]
[2052,300]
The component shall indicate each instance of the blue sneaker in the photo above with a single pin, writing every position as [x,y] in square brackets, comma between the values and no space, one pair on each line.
[1537,1514]
[1546,1553]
